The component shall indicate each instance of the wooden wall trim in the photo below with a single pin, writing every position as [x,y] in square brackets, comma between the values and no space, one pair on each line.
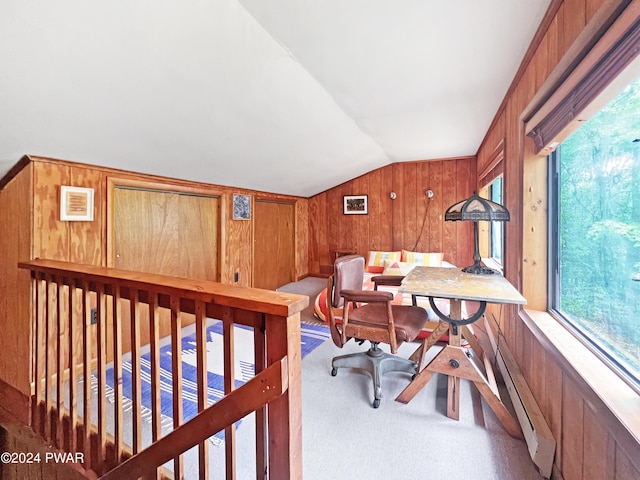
[159,179]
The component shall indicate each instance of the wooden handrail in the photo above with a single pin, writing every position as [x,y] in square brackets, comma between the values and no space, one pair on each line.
[247,298]
[69,298]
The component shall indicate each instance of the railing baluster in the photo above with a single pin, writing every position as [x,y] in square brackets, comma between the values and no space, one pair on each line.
[86,372]
[136,391]
[260,363]
[73,377]
[202,371]
[176,374]
[51,312]
[60,348]
[229,386]
[101,353]
[154,334]
[117,374]
[40,351]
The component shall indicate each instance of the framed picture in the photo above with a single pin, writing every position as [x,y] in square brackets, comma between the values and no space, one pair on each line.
[241,207]
[76,204]
[355,205]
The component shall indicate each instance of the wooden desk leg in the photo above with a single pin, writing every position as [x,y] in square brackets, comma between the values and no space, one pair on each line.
[421,352]
[453,398]
[453,390]
[423,376]
[472,340]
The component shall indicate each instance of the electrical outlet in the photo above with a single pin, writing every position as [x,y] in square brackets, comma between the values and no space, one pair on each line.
[94,316]
[236,277]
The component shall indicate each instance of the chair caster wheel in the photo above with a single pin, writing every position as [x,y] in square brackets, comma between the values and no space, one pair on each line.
[334,372]
[376,403]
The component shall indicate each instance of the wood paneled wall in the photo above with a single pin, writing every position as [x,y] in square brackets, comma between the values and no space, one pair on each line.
[86,242]
[29,211]
[591,443]
[411,221]
[15,244]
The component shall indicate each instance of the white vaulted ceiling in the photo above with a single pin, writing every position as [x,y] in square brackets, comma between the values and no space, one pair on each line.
[286,96]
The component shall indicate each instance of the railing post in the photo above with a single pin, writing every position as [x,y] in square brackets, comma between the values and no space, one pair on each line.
[285,412]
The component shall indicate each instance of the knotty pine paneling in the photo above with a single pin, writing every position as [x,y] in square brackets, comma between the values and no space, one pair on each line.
[87,239]
[50,235]
[573,426]
[395,224]
[15,246]
[302,237]
[590,444]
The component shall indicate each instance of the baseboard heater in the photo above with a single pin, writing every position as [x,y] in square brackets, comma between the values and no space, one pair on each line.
[540,441]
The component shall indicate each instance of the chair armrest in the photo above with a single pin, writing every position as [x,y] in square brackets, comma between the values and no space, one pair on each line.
[388,280]
[366,296]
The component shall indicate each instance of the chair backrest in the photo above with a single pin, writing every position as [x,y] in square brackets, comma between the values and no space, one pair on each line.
[348,274]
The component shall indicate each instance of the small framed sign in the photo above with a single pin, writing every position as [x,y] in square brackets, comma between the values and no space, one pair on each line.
[355,205]
[241,207]
[76,204]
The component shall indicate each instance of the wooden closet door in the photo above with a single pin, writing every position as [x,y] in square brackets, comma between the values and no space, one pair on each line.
[166,232]
[273,244]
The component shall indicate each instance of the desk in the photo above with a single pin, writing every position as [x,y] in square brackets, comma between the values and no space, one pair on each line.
[453,360]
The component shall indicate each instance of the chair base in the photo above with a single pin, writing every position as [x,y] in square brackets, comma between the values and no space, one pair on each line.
[377,363]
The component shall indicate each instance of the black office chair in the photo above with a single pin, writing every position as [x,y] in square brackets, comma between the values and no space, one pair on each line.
[369,315]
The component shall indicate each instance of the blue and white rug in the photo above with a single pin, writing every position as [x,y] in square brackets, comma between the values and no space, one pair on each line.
[311,335]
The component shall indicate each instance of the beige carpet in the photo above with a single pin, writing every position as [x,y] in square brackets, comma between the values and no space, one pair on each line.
[344,437]
[309,286]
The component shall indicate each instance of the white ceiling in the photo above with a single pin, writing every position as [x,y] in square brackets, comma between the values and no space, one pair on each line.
[286,96]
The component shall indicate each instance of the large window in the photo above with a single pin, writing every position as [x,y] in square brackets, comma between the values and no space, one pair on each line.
[595,225]
[496,233]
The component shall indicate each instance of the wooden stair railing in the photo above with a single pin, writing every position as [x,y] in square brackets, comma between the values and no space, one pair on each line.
[85,316]
[259,391]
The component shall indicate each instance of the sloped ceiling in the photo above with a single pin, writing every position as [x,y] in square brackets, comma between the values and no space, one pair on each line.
[286,96]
